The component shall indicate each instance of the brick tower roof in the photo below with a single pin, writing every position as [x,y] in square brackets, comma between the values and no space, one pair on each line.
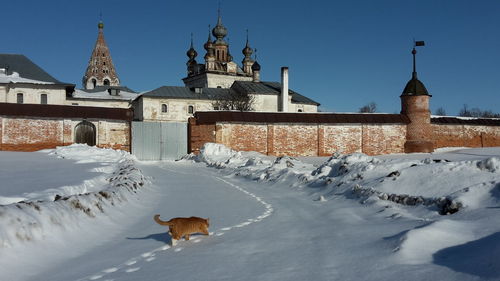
[100,70]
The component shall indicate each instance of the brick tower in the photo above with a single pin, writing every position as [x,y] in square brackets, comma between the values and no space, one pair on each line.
[415,105]
[100,71]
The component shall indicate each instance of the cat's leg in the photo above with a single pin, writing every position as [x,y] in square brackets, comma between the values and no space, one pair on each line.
[186,237]
[173,242]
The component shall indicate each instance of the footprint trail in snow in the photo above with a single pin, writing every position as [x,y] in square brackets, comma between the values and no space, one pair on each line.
[132,264]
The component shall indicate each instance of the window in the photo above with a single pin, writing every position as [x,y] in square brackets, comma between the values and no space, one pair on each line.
[106,82]
[43,99]
[94,82]
[164,108]
[190,109]
[20,98]
[300,110]
[103,63]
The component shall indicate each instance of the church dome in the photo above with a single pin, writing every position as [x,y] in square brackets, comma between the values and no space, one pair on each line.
[255,66]
[191,53]
[219,31]
[208,45]
[247,51]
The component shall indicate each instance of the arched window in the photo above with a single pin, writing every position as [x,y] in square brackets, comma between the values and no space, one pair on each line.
[164,108]
[94,82]
[300,110]
[20,98]
[43,99]
[85,133]
[190,109]
[106,82]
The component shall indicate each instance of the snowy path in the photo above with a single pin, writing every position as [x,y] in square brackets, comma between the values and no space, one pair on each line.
[269,230]
[175,193]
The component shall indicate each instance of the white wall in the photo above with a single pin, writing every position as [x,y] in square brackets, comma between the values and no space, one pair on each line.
[32,94]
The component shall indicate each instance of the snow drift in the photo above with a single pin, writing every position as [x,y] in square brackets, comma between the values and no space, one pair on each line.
[63,208]
[443,185]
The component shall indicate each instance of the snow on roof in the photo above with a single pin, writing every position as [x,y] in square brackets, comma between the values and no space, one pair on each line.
[16,78]
[103,93]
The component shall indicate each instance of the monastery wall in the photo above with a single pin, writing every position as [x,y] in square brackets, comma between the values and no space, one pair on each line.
[457,135]
[32,134]
[305,139]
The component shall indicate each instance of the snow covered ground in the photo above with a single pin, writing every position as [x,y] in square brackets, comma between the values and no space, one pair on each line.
[82,213]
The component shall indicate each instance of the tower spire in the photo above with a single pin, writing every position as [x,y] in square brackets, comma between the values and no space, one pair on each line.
[100,70]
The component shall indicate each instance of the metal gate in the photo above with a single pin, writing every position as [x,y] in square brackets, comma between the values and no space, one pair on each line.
[85,133]
[159,140]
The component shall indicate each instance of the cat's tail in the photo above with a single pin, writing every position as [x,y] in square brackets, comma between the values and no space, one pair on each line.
[157,220]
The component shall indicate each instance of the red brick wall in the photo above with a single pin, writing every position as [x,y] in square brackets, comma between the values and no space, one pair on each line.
[199,135]
[31,134]
[295,140]
[383,139]
[248,137]
[465,136]
[341,138]
[301,139]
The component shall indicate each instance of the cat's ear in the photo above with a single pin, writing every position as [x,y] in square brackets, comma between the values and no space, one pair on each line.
[208,220]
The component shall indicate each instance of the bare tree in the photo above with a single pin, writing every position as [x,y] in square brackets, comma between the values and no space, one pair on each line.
[477,112]
[369,108]
[465,112]
[440,111]
[234,101]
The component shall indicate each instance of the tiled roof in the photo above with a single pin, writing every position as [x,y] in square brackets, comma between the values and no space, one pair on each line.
[211,117]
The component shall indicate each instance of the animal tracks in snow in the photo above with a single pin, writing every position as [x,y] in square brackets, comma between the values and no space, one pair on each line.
[132,265]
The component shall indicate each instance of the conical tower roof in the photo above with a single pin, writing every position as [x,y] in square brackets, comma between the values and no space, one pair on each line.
[100,70]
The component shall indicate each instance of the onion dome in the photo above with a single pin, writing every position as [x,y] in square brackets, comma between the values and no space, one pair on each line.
[209,44]
[255,66]
[191,53]
[219,31]
[247,51]
[100,25]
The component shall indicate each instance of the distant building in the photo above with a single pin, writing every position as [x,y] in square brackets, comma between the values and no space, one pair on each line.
[22,81]
[216,78]
[101,85]
[100,70]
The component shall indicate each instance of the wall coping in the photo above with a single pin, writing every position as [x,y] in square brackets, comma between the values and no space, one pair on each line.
[212,117]
[65,111]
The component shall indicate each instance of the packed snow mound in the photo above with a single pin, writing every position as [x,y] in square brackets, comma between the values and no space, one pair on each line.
[443,185]
[27,221]
[491,164]
[435,236]
[88,154]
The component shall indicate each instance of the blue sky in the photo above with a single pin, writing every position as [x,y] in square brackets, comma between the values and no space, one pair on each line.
[342,54]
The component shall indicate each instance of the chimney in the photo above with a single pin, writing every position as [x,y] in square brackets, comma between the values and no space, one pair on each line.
[284,89]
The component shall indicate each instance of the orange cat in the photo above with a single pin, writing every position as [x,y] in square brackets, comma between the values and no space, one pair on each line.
[184,227]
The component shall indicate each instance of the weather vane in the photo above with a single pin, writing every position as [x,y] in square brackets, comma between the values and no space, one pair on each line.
[414,52]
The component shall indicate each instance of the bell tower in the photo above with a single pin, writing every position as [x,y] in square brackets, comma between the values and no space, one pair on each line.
[100,70]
